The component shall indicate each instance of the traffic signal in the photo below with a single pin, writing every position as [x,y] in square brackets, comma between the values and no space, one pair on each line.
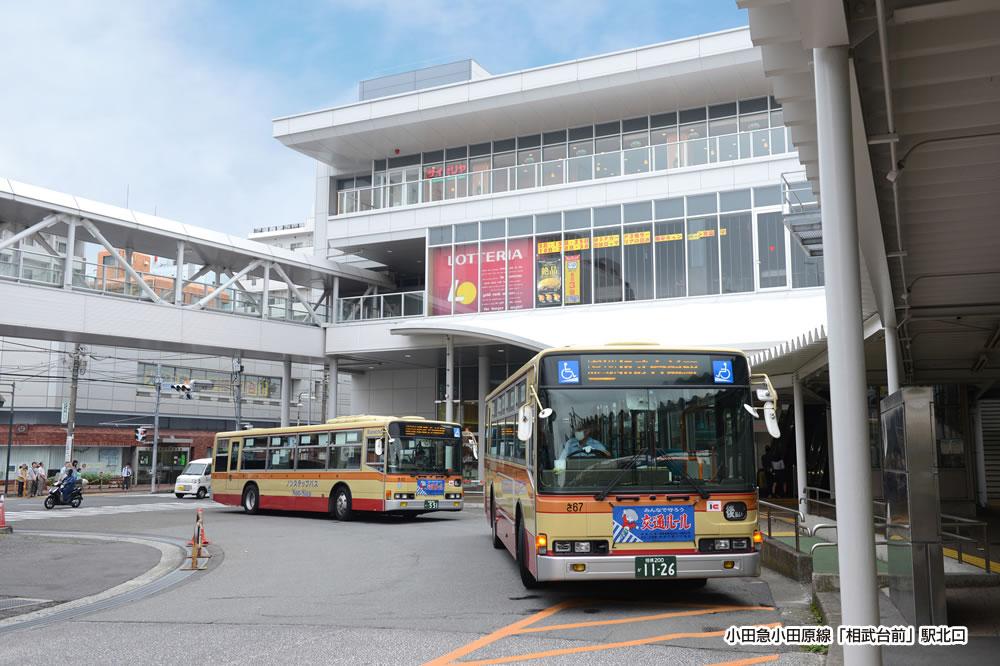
[140,434]
[183,388]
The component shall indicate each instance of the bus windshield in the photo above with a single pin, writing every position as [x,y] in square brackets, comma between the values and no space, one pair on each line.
[424,455]
[646,440]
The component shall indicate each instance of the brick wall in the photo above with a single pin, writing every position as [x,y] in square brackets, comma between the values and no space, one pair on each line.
[50,435]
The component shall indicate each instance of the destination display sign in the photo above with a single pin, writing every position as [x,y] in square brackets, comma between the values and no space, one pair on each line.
[424,430]
[644,369]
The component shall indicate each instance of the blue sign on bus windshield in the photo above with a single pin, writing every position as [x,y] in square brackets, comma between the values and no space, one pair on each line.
[569,372]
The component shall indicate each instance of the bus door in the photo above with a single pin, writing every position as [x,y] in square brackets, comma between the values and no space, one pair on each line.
[375,458]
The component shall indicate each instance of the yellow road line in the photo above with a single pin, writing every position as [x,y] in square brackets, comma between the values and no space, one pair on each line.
[972,559]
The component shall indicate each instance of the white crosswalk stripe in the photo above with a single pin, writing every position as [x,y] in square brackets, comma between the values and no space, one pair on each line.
[67,512]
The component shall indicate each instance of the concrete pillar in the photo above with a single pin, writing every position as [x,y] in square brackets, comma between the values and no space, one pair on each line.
[70,255]
[449,371]
[179,278]
[286,392]
[800,443]
[335,299]
[848,390]
[484,389]
[332,410]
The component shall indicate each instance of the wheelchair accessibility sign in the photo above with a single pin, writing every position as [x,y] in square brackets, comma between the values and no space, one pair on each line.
[723,371]
[569,372]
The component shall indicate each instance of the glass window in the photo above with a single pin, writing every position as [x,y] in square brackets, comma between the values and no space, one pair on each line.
[635,140]
[806,271]
[949,426]
[466,232]
[253,458]
[767,196]
[279,458]
[479,182]
[703,255]
[439,235]
[519,226]
[548,271]
[608,165]
[532,156]
[663,119]
[702,204]
[722,126]
[607,215]
[501,175]
[577,265]
[693,131]
[222,455]
[671,279]
[552,164]
[635,161]
[637,247]
[579,148]
[753,122]
[771,250]
[493,229]
[346,456]
[607,264]
[579,169]
[735,200]
[548,223]
[736,245]
[577,219]
[549,138]
[641,211]
[608,144]
[668,208]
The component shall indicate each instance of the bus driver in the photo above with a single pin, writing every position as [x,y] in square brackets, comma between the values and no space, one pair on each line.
[582,444]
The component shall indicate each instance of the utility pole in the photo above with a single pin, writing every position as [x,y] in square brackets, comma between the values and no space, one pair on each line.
[10,440]
[156,429]
[71,422]
[238,388]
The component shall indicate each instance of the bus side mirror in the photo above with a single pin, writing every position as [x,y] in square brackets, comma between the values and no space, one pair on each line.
[771,420]
[525,419]
[378,446]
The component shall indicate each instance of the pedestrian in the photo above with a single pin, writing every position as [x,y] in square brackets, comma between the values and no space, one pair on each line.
[22,480]
[43,480]
[126,477]
[779,478]
[32,479]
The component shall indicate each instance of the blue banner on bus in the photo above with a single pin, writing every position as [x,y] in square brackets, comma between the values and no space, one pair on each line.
[643,369]
[430,486]
[645,524]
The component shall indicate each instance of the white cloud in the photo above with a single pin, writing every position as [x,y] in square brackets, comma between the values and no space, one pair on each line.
[102,96]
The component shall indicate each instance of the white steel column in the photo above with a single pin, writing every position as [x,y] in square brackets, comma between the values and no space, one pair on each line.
[265,292]
[484,389]
[179,278]
[449,370]
[800,443]
[286,392]
[70,255]
[855,525]
[334,392]
[891,353]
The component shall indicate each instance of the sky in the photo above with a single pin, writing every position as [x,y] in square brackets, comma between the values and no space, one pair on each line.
[167,106]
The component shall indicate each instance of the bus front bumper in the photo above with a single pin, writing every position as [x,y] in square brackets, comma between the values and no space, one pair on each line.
[421,505]
[622,567]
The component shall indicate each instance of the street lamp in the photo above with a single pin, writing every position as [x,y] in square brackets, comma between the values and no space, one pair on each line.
[298,404]
[10,437]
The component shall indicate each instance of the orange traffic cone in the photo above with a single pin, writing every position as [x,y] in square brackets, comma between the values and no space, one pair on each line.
[4,527]
[204,541]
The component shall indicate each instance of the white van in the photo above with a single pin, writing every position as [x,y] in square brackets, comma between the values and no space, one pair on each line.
[196,479]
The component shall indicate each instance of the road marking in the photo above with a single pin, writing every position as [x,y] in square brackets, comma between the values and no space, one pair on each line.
[524,626]
[90,511]
[747,662]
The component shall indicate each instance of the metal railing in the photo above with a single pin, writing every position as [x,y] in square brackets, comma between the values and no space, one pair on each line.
[381,306]
[693,152]
[796,193]
[958,523]
[797,519]
[37,268]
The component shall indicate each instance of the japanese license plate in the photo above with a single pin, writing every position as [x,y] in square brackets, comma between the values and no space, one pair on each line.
[656,566]
[430,504]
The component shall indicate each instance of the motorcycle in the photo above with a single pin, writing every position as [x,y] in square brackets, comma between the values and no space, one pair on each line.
[55,497]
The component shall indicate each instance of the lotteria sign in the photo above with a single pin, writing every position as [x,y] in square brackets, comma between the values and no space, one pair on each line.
[489,278]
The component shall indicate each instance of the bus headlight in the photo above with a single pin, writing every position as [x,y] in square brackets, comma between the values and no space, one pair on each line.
[400,496]
[581,546]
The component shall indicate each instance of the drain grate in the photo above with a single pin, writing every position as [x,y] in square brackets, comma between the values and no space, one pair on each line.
[18,602]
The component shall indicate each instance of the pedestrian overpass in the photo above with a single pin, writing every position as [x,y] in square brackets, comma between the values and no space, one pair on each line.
[199,302]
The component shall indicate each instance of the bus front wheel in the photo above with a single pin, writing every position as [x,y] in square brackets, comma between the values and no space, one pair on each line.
[342,504]
[251,500]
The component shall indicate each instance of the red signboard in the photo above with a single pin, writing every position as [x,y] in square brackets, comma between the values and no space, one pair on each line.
[465,283]
[493,276]
[440,280]
[520,274]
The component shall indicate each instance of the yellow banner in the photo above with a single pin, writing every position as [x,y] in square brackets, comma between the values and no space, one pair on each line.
[550,247]
[707,233]
[573,244]
[606,241]
[669,237]
[572,278]
[637,238]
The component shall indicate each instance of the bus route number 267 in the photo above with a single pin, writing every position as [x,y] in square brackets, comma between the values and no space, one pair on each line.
[574,507]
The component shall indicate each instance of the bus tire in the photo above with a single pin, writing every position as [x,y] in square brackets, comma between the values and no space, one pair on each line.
[527,579]
[497,543]
[251,500]
[341,504]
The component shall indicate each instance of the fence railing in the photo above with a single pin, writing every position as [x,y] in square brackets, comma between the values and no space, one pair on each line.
[770,509]
[381,306]
[112,280]
[693,152]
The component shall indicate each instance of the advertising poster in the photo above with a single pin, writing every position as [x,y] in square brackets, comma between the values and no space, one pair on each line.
[465,280]
[493,276]
[572,279]
[440,280]
[549,287]
[644,524]
[520,278]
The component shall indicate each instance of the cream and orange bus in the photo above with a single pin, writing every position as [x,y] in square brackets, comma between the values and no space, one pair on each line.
[626,461]
[404,466]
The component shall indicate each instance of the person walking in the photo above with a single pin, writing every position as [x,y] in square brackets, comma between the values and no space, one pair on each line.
[126,477]
[43,481]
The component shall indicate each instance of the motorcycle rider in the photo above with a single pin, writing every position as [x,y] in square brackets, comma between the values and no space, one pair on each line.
[69,482]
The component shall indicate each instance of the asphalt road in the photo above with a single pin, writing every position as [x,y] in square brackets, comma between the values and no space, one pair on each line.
[388,591]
